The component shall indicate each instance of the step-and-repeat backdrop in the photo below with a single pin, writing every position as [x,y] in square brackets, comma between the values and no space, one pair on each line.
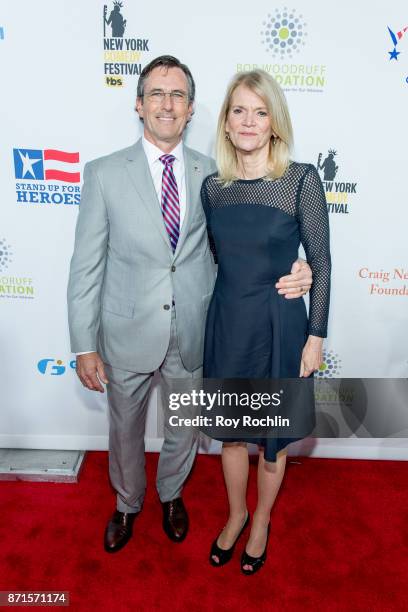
[69,71]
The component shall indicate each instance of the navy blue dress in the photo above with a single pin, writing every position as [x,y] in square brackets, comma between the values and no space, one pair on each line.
[255,228]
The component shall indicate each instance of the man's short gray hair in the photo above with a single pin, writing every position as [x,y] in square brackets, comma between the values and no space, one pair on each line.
[167,61]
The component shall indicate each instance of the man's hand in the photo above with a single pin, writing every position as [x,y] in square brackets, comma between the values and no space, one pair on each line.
[312,356]
[91,371]
[298,282]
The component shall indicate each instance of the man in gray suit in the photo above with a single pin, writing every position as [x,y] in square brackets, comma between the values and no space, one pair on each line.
[140,283]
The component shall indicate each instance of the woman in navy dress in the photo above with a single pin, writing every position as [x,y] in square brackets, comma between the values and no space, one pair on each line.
[259,207]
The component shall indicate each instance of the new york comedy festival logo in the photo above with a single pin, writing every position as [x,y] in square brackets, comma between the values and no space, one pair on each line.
[123,55]
[339,190]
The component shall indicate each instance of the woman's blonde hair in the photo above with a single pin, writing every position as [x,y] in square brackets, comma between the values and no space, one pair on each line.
[262,84]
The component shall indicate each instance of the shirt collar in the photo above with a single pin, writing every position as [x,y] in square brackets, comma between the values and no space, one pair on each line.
[153,153]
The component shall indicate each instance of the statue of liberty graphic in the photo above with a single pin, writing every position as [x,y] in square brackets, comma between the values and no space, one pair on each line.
[115,20]
[328,166]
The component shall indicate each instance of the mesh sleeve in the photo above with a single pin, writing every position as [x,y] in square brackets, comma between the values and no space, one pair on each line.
[314,233]
[207,211]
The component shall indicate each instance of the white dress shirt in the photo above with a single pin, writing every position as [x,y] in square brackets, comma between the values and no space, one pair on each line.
[156,167]
[153,154]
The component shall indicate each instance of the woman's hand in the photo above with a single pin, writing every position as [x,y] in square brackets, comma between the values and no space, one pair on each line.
[312,356]
[298,282]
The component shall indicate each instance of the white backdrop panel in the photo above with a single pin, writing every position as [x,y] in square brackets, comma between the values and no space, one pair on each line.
[56,97]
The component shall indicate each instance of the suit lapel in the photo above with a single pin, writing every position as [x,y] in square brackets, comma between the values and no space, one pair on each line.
[139,173]
[194,178]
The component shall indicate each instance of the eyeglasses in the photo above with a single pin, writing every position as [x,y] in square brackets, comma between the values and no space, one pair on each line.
[158,95]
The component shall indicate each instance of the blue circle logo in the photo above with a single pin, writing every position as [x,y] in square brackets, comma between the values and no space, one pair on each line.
[5,255]
[330,367]
[284,33]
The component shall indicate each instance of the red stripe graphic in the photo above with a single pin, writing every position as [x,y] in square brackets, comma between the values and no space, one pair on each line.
[59,175]
[401,34]
[71,158]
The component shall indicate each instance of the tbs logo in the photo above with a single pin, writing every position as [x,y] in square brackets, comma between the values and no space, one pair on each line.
[54,367]
[113,82]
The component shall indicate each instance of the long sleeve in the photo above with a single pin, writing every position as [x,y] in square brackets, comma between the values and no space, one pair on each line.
[207,211]
[88,265]
[314,233]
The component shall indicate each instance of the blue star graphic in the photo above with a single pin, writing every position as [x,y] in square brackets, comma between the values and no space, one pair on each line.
[394,54]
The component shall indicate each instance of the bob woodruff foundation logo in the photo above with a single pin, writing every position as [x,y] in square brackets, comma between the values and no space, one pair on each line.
[12,287]
[284,33]
[5,255]
[122,55]
[330,367]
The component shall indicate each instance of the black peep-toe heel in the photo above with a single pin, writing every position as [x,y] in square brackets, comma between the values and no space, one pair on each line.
[224,555]
[255,562]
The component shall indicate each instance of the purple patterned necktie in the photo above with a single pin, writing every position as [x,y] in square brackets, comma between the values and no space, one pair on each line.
[170,200]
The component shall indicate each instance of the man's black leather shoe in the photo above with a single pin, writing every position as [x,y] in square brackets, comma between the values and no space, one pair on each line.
[175,519]
[119,530]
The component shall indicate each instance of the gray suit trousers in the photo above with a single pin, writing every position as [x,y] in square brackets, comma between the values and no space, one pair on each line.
[128,394]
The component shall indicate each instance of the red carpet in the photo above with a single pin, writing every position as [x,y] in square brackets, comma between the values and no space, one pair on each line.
[338,542]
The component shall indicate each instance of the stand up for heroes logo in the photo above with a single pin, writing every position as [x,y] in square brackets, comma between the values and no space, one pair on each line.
[40,167]
[396,50]
[395,40]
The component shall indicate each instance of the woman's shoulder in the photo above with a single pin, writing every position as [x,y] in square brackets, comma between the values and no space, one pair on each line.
[300,168]
[211,178]
[210,183]
[302,173]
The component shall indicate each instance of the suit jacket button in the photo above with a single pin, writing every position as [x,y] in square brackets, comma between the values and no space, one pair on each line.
[166,307]
[173,268]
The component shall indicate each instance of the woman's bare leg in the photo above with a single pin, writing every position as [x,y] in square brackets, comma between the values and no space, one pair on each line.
[270,476]
[235,465]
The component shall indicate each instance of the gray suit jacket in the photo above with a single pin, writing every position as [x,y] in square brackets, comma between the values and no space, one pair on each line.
[123,273]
